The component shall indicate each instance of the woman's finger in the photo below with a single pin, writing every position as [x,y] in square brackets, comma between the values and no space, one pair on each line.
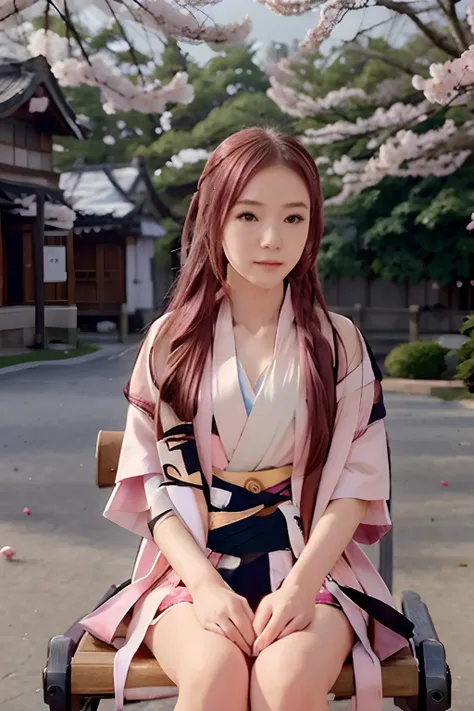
[244,625]
[249,612]
[295,625]
[232,633]
[276,625]
[262,616]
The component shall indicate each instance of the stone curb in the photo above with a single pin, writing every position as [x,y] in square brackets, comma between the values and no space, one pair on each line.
[419,387]
[105,350]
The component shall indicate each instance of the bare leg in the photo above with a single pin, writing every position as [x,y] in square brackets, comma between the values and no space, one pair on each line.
[210,671]
[298,671]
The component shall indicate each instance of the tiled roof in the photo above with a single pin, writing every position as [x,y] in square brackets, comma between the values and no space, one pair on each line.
[19,82]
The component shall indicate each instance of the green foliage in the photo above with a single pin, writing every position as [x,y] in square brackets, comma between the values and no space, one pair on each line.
[405,229]
[421,360]
[465,369]
[411,229]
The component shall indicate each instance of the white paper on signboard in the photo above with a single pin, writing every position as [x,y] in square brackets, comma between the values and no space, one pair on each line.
[55,264]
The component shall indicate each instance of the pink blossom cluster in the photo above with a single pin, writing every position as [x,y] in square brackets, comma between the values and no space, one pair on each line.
[332,13]
[449,82]
[301,105]
[118,92]
[49,44]
[397,115]
[288,7]
[162,16]
[406,154]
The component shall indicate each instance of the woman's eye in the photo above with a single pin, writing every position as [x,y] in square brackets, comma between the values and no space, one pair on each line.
[294,219]
[246,217]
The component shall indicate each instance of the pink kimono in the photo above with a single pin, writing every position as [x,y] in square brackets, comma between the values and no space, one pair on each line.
[227,438]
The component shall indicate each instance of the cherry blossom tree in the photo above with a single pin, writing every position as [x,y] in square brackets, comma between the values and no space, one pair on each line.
[142,23]
[430,131]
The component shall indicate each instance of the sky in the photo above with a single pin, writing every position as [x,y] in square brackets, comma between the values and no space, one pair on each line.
[267,26]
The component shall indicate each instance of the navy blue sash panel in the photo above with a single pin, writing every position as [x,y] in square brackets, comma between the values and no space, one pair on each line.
[251,580]
[255,533]
[261,534]
[242,499]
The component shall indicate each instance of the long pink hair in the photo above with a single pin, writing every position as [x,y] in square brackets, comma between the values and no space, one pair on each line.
[193,307]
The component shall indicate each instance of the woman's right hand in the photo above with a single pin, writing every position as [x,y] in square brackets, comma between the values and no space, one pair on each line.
[219,609]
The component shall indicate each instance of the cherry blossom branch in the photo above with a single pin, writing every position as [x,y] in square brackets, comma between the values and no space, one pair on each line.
[162,16]
[73,65]
[300,105]
[406,154]
[406,67]
[392,118]
[8,8]
[403,8]
[118,92]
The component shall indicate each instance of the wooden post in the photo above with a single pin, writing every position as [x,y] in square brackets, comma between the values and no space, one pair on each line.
[71,274]
[38,251]
[414,322]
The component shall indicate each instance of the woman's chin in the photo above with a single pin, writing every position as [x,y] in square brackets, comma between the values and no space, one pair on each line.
[266,283]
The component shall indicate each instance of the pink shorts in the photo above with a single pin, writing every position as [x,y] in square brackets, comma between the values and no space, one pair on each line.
[181,594]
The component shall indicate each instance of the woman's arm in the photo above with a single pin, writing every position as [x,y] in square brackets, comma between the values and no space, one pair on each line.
[218,608]
[185,556]
[331,535]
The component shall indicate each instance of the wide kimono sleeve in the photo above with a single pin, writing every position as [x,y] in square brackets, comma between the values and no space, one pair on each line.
[366,474]
[139,474]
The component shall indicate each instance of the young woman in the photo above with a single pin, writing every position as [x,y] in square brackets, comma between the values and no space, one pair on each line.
[254,460]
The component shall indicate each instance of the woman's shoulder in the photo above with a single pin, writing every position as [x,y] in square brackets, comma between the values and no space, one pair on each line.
[157,340]
[349,341]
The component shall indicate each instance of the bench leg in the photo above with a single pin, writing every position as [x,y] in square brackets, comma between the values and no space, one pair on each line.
[57,672]
[434,674]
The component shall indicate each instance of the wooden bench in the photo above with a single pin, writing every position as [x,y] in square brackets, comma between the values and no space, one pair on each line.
[79,669]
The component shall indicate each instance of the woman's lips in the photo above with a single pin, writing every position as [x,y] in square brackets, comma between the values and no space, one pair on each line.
[269,264]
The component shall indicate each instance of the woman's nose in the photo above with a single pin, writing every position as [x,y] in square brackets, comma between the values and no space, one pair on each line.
[271,237]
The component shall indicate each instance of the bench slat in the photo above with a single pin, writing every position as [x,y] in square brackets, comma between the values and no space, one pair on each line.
[92,672]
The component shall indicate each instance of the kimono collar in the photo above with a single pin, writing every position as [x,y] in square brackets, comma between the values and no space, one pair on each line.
[247,446]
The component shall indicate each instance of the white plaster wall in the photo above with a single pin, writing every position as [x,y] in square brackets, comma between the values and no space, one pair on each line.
[12,317]
[139,275]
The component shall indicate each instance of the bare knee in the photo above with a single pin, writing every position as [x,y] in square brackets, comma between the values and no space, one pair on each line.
[216,679]
[281,681]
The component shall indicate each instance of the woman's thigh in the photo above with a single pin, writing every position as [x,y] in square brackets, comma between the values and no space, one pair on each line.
[304,665]
[189,654]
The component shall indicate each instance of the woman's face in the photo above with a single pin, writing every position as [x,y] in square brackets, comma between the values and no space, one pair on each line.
[267,228]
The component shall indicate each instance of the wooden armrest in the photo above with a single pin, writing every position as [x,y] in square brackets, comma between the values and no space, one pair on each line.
[109,444]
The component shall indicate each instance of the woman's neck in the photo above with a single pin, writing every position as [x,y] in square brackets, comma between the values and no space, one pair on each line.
[252,307]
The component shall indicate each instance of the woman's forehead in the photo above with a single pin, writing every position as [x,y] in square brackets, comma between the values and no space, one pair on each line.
[276,185]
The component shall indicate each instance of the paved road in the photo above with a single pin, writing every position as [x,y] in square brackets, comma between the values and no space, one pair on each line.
[67,554]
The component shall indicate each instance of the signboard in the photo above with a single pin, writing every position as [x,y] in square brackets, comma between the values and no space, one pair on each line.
[55,264]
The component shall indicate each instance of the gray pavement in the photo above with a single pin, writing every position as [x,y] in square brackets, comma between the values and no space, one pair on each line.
[67,554]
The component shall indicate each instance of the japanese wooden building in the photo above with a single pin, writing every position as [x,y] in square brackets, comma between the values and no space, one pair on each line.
[33,212]
[118,215]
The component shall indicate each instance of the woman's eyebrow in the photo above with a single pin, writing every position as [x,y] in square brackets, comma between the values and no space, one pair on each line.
[256,203]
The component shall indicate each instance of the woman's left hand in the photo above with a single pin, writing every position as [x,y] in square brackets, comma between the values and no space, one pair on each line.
[288,609]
